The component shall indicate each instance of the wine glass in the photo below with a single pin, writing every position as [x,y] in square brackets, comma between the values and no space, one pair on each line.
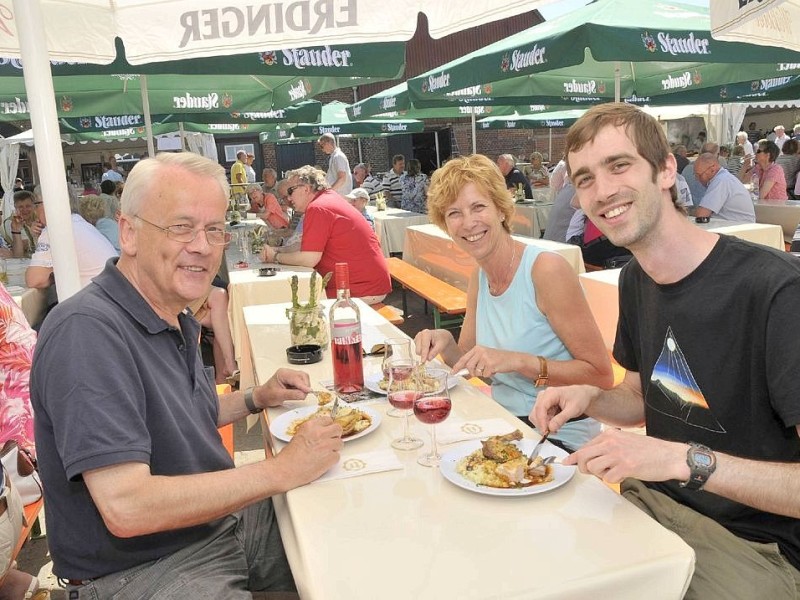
[432,405]
[403,390]
[395,348]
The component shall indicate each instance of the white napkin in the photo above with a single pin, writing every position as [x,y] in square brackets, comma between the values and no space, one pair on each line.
[450,432]
[363,464]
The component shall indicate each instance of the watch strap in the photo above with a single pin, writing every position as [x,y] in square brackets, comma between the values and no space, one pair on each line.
[250,403]
[698,474]
[543,377]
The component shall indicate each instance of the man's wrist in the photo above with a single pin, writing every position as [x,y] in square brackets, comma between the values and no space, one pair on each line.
[275,258]
[249,402]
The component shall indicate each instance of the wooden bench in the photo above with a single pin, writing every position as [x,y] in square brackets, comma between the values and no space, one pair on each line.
[444,298]
[30,525]
[390,313]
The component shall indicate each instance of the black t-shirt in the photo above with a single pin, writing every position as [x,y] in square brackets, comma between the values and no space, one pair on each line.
[514,178]
[717,355]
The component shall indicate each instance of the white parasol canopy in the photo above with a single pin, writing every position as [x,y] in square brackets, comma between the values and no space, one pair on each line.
[765,22]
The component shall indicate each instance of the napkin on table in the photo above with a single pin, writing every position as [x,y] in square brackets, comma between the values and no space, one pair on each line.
[451,432]
[363,464]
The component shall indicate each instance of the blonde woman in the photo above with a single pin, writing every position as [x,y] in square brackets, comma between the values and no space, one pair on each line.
[527,324]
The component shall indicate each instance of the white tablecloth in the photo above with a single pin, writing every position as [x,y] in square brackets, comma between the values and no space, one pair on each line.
[759,233]
[530,219]
[390,226]
[428,248]
[409,533]
[785,215]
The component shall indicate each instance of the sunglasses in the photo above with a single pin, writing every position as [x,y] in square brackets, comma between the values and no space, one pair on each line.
[760,151]
[291,189]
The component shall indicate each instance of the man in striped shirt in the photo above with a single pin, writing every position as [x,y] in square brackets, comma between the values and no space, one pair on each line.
[391,181]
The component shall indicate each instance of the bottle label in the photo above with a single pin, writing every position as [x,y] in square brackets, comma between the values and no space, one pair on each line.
[346,333]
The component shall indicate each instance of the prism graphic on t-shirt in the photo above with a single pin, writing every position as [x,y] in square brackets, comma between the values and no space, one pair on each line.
[674,391]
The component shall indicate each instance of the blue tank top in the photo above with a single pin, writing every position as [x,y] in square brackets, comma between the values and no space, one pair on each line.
[512,321]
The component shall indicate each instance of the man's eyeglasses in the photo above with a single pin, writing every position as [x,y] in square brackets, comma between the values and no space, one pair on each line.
[38,203]
[291,189]
[760,151]
[215,236]
[704,172]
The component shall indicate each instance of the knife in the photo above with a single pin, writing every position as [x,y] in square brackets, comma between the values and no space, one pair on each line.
[335,407]
[538,446]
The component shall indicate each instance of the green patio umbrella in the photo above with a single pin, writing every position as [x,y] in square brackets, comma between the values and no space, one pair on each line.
[334,120]
[563,118]
[609,48]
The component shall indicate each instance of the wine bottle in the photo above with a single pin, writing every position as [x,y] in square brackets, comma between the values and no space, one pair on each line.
[345,319]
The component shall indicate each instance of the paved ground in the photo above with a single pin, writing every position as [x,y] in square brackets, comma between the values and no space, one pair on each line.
[248,446]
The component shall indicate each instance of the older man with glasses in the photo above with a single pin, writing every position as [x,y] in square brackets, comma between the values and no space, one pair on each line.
[725,196]
[137,480]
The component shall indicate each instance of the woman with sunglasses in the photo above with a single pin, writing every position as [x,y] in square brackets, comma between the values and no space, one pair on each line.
[767,173]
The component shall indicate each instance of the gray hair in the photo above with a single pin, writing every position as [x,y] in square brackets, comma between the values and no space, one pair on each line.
[327,137]
[145,175]
[310,175]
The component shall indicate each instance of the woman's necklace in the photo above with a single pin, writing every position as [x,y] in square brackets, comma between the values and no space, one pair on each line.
[497,290]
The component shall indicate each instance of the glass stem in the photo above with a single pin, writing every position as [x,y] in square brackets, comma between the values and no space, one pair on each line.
[406,436]
[434,448]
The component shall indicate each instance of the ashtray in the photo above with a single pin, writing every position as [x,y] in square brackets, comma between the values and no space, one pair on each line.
[702,219]
[305,354]
[268,271]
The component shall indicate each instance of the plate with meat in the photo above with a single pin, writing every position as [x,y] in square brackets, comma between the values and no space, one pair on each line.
[355,422]
[498,466]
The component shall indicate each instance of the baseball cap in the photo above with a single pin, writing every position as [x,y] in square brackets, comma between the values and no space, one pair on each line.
[358,193]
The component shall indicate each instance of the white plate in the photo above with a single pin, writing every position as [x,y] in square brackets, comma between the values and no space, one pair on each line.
[371,383]
[562,474]
[281,424]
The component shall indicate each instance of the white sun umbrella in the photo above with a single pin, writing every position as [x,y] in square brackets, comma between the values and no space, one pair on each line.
[84,31]
[766,22]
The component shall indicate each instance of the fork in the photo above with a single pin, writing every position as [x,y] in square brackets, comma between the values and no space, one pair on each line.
[335,407]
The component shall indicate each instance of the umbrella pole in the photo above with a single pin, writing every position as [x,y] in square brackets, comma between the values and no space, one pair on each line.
[550,145]
[182,133]
[436,141]
[616,81]
[44,121]
[148,125]
[474,141]
[360,152]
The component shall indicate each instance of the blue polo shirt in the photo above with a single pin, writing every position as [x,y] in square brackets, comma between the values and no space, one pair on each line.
[113,383]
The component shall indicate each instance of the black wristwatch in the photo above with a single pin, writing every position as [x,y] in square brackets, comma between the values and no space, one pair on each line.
[702,463]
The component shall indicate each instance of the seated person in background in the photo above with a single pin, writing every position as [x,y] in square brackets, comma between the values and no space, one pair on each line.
[333,231]
[267,207]
[22,223]
[513,176]
[558,179]
[110,173]
[539,177]
[528,324]
[736,159]
[596,249]
[680,157]
[414,186]
[684,193]
[364,179]
[725,196]
[771,180]
[270,179]
[212,313]
[789,161]
[17,342]
[359,198]
[91,246]
[293,242]
[94,210]
[391,181]
[107,189]
[127,417]
[744,143]
[560,215]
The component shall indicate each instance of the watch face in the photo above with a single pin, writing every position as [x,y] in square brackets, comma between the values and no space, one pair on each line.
[702,460]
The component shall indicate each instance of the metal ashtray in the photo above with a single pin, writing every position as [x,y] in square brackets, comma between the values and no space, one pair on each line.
[267,271]
[305,354]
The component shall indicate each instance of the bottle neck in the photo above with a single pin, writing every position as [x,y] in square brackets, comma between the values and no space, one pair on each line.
[343,293]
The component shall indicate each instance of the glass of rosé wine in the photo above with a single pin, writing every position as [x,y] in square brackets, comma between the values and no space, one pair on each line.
[401,395]
[396,348]
[432,405]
